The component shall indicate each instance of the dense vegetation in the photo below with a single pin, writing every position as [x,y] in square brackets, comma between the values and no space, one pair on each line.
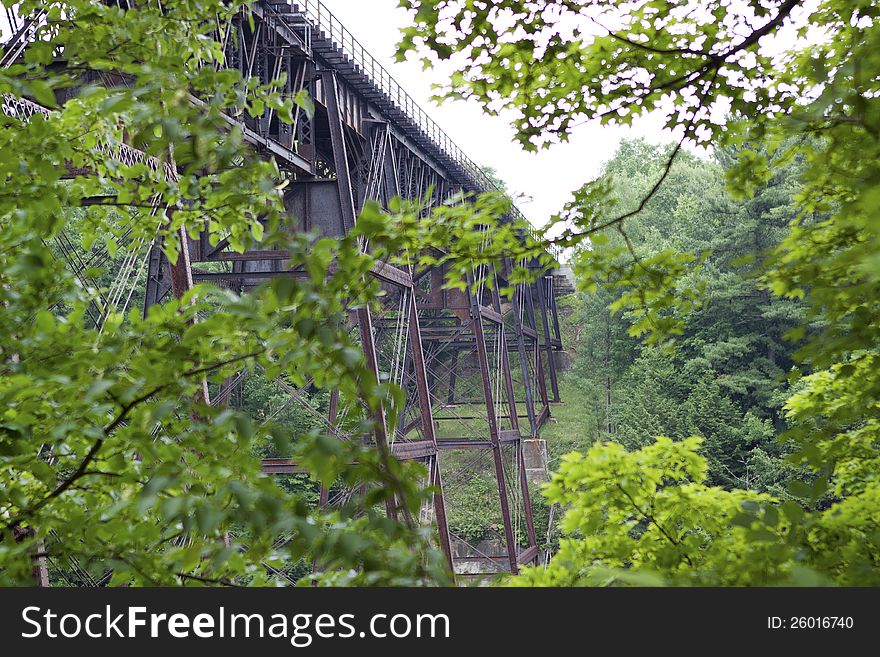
[725,376]
[726,387]
[751,283]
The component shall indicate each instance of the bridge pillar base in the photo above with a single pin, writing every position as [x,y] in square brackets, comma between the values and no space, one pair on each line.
[563,361]
[535,459]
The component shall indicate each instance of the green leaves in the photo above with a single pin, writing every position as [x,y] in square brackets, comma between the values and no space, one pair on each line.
[751,171]
[556,63]
[648,513]
[304,102]
[108,451]
[42,92]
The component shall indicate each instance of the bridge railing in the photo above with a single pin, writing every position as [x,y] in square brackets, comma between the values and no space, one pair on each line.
[324,21]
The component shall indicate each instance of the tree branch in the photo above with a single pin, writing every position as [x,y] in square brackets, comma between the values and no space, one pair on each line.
[666,171]
[644,46]
[82,469]
[650,518]
[207,580]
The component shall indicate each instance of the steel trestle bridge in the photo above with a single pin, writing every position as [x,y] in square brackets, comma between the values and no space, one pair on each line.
[479,370]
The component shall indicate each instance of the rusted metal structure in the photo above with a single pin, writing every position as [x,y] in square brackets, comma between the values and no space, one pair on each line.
[478,370]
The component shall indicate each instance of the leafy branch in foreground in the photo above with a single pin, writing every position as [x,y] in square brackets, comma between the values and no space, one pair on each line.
[647,517]
[113,466]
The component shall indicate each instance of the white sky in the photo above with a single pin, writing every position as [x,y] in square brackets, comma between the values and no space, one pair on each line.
[545,179]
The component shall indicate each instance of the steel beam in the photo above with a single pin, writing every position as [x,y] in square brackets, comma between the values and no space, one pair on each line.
[428,424]
[483,359]
[548,344]
[346,202]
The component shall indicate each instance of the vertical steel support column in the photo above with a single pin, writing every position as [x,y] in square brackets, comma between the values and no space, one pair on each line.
[529,290]
[181,283]
[39,569]
[324,495]
[494,437]
[428,425]
[153,293]
[390,182]
[346,202]
[514,422]
[332,411]
[453,375]
[340,152]
[518,301]
[527,499]
[548,344]
[505,364]
[554,309]
[41,566]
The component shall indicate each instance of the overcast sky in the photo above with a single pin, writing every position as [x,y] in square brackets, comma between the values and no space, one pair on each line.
[546,179]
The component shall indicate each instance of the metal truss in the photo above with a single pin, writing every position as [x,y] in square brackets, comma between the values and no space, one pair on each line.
[478,370]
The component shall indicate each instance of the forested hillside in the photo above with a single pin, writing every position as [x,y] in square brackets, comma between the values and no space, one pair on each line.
[725,377]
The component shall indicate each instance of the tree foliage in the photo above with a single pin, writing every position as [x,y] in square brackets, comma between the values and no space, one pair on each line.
[724,378]
[648,517]
[111,459]
[770,84]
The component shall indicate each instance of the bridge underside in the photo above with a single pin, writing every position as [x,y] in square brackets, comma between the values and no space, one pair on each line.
[478,369]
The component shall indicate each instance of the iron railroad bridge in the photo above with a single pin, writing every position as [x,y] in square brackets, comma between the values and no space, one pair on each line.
[479,371]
